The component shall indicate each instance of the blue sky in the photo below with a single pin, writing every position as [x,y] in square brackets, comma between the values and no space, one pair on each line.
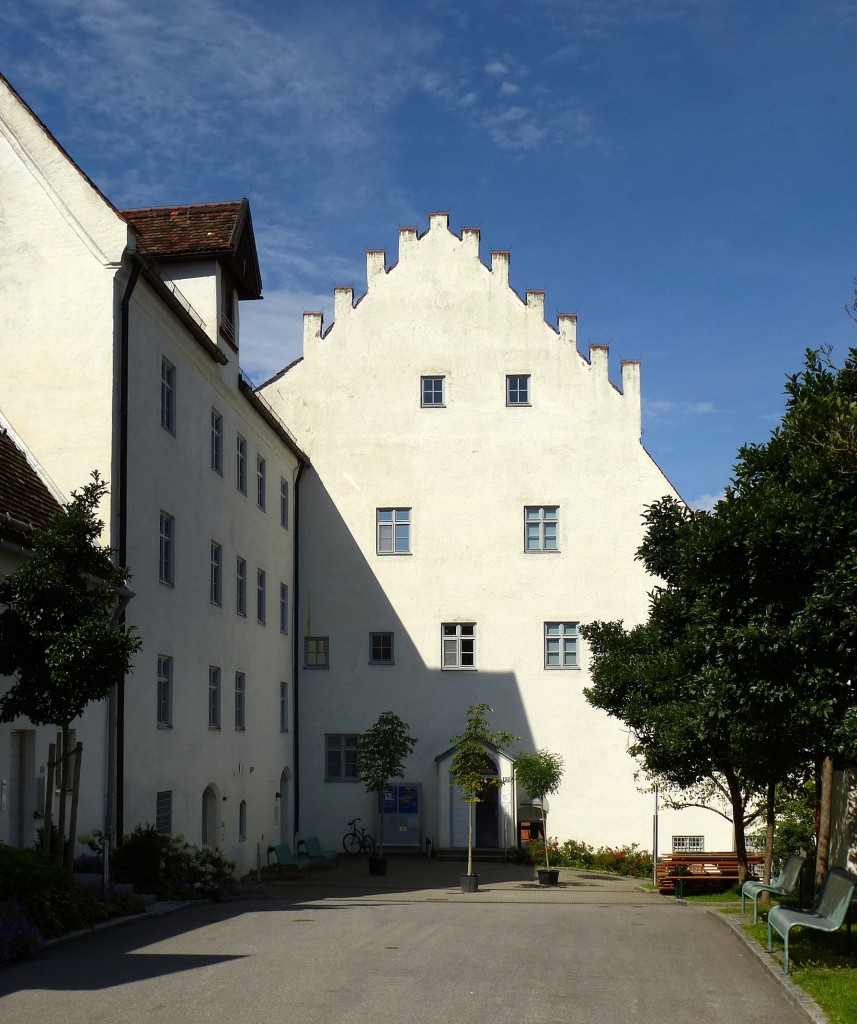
[680,173]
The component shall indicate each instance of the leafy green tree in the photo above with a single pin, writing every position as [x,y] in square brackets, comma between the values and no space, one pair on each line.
[383,750]
[540,774]
[472,768]
[60,640]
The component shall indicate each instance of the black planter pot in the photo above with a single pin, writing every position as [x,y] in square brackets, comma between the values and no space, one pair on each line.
[548,876]
[377,865]
[469,883]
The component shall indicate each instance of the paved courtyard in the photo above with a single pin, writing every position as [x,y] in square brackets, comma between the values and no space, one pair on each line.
[337,947]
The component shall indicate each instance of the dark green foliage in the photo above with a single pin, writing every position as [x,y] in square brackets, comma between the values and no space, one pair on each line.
[140,858]
[620,860]
[383,750]
[171,867]
[540,774]
[795,825]
[58,639]
[20,939]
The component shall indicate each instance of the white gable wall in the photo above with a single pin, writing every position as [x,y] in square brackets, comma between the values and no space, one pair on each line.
[467,471]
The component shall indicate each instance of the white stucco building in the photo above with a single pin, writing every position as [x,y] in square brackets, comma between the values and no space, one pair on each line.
[120,335]
[476,492]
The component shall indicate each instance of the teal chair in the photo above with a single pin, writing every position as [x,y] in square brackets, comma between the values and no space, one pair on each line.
[783,885]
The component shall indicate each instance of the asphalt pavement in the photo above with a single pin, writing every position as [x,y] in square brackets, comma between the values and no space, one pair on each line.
[343,945]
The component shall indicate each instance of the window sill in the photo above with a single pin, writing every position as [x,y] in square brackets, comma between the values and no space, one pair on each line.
[214,728]
[542,551]
[519,405]
[562,668]
[458,668]
[167,583]
[316,668]
[393,554]
[388,664]
[165,725]
[348,781]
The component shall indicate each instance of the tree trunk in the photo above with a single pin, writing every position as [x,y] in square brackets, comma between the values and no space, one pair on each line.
[75,798]
[823,849]
[470,839]
[545,833]
[59,853]
[736,798]
[770,826]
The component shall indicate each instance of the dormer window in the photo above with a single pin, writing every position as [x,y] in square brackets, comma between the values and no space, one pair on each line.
[227,310]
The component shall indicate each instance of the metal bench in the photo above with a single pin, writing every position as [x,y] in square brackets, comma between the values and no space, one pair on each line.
[315,852]
[784,885]
[826,916]
[286,859]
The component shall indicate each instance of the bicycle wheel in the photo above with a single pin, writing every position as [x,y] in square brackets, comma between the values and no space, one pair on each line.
[368,845]
[351,842]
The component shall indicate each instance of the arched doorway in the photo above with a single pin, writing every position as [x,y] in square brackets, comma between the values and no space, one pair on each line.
[285,807]
[211,815]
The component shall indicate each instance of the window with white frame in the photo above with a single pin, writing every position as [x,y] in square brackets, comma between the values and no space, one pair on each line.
[284,608]
[561,645]
[316,653]
[393,531]
[216,442]
[284,707]
[241,464]
[458,645]
[242,821]
[166,566]
[260,482]
[240,697]
[216,576]
[380,648]
[541,527]
[432,391]
[261,603]
[241,586]
[164,812]
[688,844]
[168,395]
[284,503]
[341,757]
[213,697]
[518,389]
[165,691]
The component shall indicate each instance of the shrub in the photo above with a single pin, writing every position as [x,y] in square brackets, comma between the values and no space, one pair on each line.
[170,866]
[623,860]
[140,858]
[20,939]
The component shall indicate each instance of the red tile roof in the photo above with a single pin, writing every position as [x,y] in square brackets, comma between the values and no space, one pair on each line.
[25,501]
[221,231]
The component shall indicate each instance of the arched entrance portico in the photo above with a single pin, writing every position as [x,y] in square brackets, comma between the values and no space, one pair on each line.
[493,823]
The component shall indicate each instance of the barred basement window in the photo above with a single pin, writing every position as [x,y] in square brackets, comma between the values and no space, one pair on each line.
[688,844]
[164,812]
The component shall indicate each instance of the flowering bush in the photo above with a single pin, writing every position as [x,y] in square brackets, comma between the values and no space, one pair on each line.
[623,860]
[170,866]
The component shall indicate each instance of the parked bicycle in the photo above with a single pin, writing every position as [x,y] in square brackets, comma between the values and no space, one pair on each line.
[358,840]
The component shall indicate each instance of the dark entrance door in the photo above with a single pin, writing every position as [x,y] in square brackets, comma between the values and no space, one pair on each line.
[488,819]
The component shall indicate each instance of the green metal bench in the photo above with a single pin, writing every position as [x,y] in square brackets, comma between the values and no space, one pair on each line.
[826,916]
[315,853]
[784,885]
[286,859]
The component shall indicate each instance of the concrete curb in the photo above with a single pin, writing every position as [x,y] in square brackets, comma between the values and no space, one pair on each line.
[153,910]
[794,993]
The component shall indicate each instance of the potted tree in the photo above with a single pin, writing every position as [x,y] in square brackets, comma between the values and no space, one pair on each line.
[470,766]
[383,749]
[540,774]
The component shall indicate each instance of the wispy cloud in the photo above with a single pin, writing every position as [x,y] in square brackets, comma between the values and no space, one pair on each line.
[656,408]
[706,502]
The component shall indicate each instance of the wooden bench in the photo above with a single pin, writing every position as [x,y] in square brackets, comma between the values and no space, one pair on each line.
[680,873]
[826,916]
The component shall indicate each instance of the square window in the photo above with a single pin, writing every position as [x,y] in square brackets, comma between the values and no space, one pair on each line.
[518,389]
[458,645]
[165,691]
[688,844]
[284,707]
[164,812]
[284,503]
[284,608]
[541,528]
[393,531]
[166,568]
[431,391]
[261,604]
[260,482]
[380,648]
[316,652]
[216,442]
[241,464]
[341,757]
[213,697]
[240,687]
[168,395]
[241,586]
[561,645]
[216,581]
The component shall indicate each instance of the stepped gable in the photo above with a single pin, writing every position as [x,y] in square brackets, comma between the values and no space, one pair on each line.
[25,501]
[221,231]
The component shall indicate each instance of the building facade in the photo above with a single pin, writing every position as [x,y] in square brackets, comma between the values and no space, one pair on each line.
[120,342]
[475,494]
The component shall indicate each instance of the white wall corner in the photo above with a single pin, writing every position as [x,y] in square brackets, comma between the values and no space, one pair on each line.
[631,393]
